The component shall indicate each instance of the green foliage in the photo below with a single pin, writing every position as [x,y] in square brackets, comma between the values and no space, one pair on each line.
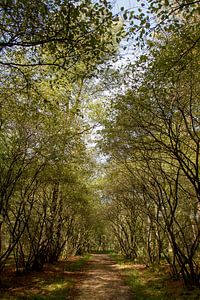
[152,17]
[145,204]
[64,29]
[151,136]
[49,51]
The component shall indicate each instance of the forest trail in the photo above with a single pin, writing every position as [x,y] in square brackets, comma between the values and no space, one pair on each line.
[100,280]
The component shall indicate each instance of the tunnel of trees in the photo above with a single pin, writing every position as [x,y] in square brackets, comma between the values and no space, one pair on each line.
[100,132]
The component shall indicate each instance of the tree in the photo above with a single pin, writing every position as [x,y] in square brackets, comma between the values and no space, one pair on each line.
[153,130]
[49,51]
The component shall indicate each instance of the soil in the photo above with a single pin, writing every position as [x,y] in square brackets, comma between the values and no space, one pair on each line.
[100,280]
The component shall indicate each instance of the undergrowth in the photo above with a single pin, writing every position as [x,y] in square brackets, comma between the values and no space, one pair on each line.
[56,283]
[153,283]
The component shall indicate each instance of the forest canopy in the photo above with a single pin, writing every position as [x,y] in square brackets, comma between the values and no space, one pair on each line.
[151,135]
[100,132]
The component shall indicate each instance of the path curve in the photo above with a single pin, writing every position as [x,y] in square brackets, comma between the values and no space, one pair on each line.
[100,280]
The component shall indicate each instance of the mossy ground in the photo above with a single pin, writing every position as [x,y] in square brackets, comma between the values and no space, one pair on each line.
[58,281]
[154,283]
[54,282]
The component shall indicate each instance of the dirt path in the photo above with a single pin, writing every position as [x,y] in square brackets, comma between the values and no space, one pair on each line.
[100,280]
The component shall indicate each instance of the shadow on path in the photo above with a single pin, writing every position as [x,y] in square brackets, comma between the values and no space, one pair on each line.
[100,280]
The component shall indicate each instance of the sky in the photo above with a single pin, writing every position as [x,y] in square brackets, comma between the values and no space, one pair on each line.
[130,53]
[127,4]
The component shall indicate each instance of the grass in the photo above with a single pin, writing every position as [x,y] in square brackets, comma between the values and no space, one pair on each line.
[153,283]
[55,282]
[78,264]
[102,252]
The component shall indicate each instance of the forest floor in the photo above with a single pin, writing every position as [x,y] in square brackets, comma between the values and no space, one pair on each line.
[101,280]
[94,277]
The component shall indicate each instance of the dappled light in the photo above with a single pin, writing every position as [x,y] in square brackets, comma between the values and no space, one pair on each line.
[53,281]
[99,149]
[102,280]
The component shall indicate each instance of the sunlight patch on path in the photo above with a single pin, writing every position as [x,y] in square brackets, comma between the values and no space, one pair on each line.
[101,281]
